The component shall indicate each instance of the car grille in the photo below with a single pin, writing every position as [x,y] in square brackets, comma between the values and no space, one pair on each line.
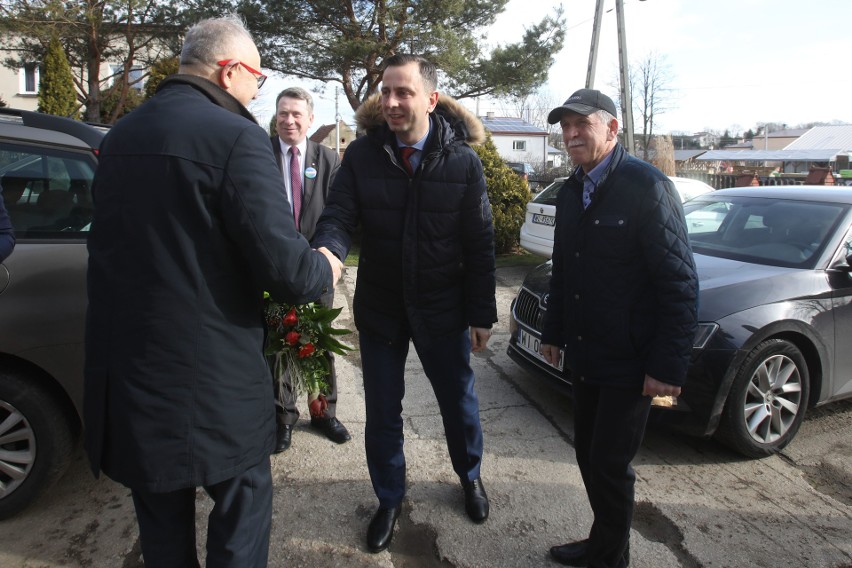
[528,310]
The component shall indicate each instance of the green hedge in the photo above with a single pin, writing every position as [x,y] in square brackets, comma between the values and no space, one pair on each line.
[508,194]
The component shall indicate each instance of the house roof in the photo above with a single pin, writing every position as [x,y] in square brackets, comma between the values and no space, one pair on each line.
[510,125]
[322,133]
[552,150]
[788,133]
[683,155]
[786,155]
[824,137]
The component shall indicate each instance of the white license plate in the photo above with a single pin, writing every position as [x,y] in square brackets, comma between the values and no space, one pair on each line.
[531,345]
[548,220]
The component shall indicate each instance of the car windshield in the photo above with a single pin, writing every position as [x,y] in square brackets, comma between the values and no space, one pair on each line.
[547,196]
[690,190]
[778,232]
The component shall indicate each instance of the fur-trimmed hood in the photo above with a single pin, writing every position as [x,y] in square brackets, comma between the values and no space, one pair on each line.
[465,124]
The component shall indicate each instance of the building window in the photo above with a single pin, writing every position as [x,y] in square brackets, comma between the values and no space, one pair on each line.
[29,79]
[519,145]
[134,76]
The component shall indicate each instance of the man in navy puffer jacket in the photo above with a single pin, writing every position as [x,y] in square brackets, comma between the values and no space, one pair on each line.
[426,271]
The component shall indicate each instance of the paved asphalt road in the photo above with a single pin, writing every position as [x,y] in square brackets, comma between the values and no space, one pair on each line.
[699,505]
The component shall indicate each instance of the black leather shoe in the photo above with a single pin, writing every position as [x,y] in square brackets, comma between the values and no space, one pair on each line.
[571,554]
[332,428]
[475,500]
[380,531]
[283,437]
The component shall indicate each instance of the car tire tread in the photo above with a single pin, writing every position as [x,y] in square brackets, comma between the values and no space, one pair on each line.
[732,429]
[54,438]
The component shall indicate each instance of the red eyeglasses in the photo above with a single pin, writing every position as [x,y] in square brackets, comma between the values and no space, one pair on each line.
[261,78]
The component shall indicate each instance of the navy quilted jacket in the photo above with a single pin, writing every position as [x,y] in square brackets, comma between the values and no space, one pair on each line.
[624,290]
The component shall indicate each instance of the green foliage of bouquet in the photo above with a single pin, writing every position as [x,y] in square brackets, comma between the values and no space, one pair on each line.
[299,339]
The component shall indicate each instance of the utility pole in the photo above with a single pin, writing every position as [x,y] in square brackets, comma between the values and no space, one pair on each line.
[593,50]
[626,102]
[336,121]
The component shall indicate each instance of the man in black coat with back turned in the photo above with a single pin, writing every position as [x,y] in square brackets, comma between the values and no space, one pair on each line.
[622,304]
[189,229]
[311,167]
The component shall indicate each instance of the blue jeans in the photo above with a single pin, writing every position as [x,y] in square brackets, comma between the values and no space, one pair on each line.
[446,363]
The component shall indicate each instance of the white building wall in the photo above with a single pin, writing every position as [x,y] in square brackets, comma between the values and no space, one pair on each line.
[534,151]
[12,90]
[13,83]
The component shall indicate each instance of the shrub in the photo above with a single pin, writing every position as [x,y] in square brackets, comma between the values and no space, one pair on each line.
[159,71]
[508,194]
[56,93]
[111,99]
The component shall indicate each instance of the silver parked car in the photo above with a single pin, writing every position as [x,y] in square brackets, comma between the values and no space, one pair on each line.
[47,164]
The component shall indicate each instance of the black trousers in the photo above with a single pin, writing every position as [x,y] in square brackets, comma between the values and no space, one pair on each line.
[286,410]
[238,526]
[609,424]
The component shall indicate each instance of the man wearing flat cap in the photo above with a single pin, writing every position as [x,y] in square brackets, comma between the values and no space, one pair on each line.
[622,305]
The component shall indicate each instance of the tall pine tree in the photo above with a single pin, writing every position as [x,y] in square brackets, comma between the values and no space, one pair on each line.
[56,93]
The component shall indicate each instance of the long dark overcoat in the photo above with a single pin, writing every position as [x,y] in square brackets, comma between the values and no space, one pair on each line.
[189,229]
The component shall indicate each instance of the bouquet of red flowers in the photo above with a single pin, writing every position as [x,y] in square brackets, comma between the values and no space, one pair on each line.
[299,337]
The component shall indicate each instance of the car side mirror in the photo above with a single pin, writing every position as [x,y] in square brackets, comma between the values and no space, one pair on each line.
[842,268]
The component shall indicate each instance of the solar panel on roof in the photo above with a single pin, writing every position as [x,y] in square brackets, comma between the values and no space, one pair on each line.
[506,125]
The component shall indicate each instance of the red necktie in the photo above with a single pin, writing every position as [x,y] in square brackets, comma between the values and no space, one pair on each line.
[406,152]
[296,183]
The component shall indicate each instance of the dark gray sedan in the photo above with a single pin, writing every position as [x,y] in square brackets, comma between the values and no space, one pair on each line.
[775,312]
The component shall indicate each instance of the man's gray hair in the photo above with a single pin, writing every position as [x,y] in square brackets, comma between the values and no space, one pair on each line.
[296,93]
[214,39]
[604,117]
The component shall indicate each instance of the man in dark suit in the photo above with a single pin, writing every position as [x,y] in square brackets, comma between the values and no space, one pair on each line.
[189,230]
[311,167]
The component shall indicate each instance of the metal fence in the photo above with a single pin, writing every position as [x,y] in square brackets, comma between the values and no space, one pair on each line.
[722,181]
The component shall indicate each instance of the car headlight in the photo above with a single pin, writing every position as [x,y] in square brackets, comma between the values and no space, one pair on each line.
[703,334]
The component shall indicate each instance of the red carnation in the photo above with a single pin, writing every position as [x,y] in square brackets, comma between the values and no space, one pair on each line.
[306,350]
[290,319]
[292,337]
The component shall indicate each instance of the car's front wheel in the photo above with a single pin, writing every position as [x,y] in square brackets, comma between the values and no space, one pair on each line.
[36,442]
[768,399]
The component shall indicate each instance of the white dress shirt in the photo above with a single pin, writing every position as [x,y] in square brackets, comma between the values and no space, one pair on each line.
[285,167]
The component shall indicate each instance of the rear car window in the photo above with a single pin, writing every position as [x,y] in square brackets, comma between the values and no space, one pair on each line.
[548,194]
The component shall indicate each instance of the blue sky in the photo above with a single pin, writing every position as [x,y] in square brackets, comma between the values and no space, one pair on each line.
[733,63]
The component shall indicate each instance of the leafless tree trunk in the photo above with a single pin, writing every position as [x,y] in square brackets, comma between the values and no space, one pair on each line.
[650,90]
[664,154]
